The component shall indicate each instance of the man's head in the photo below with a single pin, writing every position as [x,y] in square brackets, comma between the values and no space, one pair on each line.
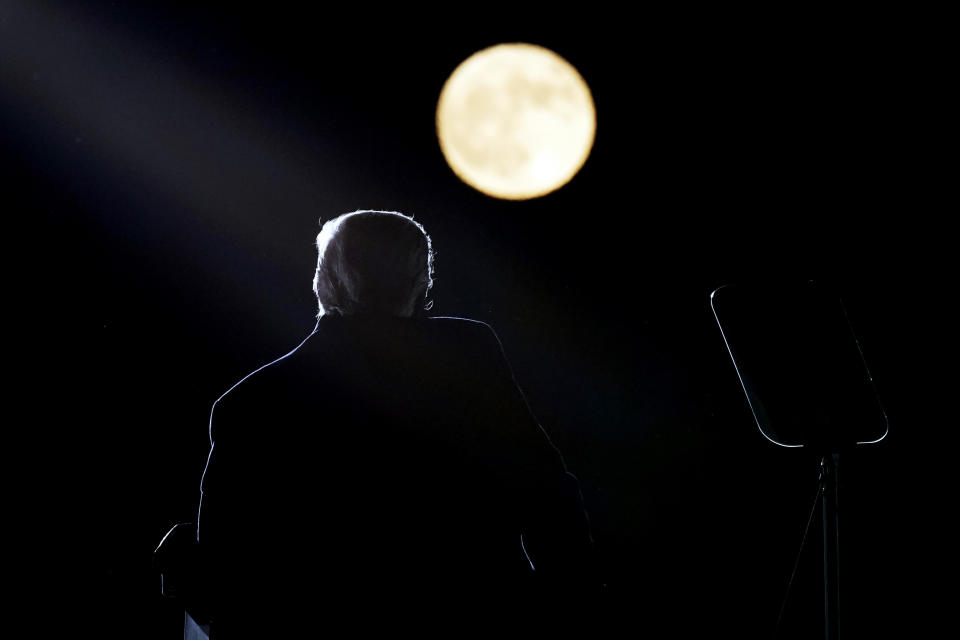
[373,263]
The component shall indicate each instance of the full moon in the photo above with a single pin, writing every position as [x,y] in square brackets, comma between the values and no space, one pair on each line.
[516,121]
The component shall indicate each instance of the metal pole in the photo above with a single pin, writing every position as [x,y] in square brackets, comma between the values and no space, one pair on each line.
[831,547]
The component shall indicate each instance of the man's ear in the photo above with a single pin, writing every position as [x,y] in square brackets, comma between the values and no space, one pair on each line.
[420,305]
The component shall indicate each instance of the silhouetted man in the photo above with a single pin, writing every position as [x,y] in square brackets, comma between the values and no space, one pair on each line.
[387,473]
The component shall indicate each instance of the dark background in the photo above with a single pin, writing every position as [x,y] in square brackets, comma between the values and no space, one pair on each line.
[171,165]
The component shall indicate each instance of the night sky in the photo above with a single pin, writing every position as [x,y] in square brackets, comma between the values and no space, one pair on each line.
[172,165]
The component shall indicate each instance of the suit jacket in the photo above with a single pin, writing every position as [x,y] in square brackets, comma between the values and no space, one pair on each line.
[387,465]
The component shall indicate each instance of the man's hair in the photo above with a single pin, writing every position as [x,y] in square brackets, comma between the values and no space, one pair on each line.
[373,263]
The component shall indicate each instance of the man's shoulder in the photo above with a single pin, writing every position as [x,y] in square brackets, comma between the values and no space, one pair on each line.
[473,339]
[253,383]
[462,325]
[467,330]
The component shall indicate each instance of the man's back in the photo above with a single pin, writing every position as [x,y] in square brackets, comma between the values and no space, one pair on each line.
[386,463]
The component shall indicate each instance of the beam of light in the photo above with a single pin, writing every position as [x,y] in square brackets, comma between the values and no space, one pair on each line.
[97,101]
[516,121]
[156,120]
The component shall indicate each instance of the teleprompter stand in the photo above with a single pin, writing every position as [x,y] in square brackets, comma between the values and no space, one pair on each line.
[807,384]
[831,546]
